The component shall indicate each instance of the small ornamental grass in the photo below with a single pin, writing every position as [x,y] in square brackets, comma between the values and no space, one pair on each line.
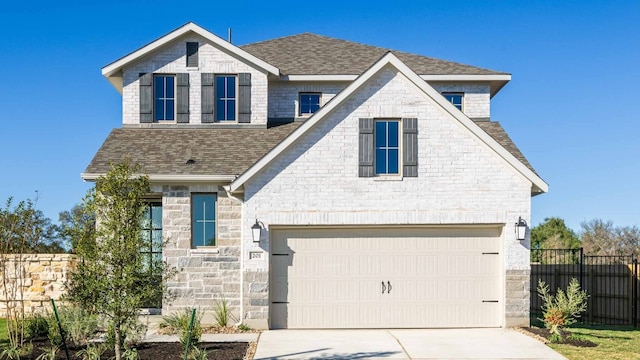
[222,312]
[563,309]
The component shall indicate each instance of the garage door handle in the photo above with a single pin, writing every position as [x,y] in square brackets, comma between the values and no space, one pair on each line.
[388,287]
[383,287]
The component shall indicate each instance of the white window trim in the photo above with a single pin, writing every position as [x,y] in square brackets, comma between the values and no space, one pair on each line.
[299,103]
[388,177]
[175,100]
[215,100]
[206,248]
[462,97]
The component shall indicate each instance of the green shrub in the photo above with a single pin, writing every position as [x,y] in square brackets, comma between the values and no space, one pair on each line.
[198,354]
[178,322]
[49,354]
[244,327]
[91,352]
[563,309]
[35,326]
[15,352]
[79,326]
[134,333]
[221,312]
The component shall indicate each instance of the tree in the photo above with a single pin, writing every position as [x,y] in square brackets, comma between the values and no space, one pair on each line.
[553,233]
[23,229]
[77,226]
[603,238]
[112,279]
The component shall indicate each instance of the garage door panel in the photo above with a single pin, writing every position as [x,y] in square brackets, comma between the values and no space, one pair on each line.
[336,278]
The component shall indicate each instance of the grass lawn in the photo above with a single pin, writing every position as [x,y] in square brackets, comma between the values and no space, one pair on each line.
[614,343]
[4,337]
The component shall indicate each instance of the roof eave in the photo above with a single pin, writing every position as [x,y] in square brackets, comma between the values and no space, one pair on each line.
[114,69]
[169,178]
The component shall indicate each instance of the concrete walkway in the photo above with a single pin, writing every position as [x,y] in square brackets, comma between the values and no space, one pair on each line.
[401,344]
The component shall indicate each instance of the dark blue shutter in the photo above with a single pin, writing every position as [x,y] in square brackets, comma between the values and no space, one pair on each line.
[365,148]
[146,98]
[192,54]
[207,97]
[244,97]
[410,147]
[182,98]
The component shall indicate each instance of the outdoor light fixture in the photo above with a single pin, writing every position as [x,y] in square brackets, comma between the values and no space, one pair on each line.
[256,230]
[521,229]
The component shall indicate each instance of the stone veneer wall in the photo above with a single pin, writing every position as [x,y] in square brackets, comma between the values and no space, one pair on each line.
[518,285]
[204,274]
[43,277]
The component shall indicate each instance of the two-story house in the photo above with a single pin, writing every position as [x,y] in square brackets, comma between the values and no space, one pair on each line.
[321,183]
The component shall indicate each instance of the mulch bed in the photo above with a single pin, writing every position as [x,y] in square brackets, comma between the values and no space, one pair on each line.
[154,351]
[545,334]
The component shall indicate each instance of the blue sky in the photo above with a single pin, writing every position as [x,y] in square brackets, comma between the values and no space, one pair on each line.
[571,105]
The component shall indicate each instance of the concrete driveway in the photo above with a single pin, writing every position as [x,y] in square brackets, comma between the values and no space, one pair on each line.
[401,344]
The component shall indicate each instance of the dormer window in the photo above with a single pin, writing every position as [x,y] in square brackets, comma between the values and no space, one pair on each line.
[309,103]
[455,99]
[164,97]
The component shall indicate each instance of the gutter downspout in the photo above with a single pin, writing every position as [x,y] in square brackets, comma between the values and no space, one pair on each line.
[241,317]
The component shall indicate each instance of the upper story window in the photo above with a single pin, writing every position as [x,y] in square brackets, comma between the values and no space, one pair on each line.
[309,103]
[203,219]
[164,97]
[225,98]
[192,54]
[387,145]
[455,99]
[379,150]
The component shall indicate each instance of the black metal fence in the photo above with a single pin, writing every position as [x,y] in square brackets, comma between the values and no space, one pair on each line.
[611,282]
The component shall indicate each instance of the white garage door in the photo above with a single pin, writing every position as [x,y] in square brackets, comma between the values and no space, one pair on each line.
[385,278]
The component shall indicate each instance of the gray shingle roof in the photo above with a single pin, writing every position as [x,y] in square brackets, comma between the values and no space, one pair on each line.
[166,151]
[495,130]
[215,151]
[311,54]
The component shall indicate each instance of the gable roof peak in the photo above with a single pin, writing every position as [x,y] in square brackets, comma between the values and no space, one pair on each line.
[113,71]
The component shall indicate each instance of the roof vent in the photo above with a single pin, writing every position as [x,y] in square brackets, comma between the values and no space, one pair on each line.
[190,162]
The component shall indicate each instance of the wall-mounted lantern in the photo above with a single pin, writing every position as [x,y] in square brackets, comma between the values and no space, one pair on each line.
[521,229]
[256,231]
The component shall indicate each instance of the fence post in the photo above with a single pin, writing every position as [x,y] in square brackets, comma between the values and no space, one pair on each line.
[634,288]
[592,307]
[582,268]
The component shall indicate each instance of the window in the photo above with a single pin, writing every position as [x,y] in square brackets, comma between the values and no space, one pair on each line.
[203,219]
[455,99]
[152,250]
[387,146]
[309,103]
[225,98]
[192,54]
[164,97]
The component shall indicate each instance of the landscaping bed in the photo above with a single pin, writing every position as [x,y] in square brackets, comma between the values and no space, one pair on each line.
[569,338]
[153,351]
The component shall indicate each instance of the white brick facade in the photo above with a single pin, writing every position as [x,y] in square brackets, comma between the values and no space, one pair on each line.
[172,60]
[284,96]
[476,102]
[460,179]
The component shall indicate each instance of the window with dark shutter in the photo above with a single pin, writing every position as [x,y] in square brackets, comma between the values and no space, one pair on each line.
[207,98]
[192,54]
[146,98]
[410,147]
[244,97]
[366,148]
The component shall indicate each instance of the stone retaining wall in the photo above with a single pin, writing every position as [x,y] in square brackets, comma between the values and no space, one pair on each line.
[40,278]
